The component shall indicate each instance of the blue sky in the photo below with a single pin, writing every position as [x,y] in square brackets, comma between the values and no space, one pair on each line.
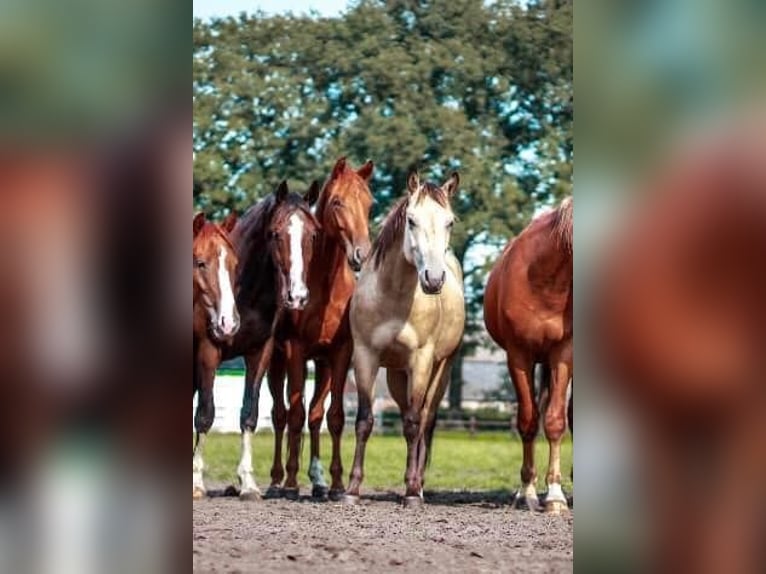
[209,8]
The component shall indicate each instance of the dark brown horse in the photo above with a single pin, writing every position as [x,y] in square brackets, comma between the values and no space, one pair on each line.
[528,312]
[274,242]
[321,331]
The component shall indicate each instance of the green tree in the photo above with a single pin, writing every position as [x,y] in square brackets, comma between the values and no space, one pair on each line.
[441,85]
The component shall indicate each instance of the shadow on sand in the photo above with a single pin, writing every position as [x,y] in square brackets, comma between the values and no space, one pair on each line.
[479,498]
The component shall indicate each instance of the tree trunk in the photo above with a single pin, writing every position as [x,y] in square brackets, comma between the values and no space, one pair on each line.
[456,375]
[456,382]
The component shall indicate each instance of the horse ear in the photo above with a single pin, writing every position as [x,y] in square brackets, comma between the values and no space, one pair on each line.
[229,223]
[312,194]
[198,223]
[450,186]
[340,165]
[365,172]
[413,182]
[281,191]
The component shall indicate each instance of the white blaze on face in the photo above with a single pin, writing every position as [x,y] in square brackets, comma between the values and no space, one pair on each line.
[297,289]
[226,316]
[426,244]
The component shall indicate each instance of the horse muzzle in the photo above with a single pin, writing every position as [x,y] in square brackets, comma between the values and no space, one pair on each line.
[432,285]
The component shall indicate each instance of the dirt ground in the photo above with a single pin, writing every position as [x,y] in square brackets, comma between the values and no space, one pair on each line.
[452,532]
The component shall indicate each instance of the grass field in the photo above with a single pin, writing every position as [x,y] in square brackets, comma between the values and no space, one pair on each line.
[487,461]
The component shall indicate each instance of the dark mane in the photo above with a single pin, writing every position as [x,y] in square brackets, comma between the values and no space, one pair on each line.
[253,226]
[392,227]
[562,225]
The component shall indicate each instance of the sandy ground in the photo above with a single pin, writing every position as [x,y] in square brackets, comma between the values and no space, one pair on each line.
[452,532]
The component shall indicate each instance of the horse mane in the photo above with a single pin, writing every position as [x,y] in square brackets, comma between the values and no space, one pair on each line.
[393,225]
[562,225]
[254,223]
[250,233]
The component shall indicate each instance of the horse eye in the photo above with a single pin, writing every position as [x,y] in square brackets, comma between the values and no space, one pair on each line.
[337,203]
[199,264]
[411,222]
[450,224]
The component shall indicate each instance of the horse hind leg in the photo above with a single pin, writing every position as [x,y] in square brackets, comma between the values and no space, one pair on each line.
[434,396]
[521,370]
[336,417]
[319,487]
[555,427]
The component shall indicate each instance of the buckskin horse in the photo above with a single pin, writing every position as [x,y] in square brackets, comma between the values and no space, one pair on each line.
[408,315]
[321,332]
[528,312]
[274,243]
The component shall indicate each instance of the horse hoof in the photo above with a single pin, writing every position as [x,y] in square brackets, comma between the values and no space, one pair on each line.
[198,493]
[412,501]
[249,495]
[319,492]
[274,492]
[350,499]
[291,493]
[556,508]
[337,494]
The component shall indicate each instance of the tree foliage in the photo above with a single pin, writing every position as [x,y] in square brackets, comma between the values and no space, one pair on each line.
[441,85]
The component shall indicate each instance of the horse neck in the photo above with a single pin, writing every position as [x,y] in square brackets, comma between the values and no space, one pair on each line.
[396,273]
[328,266]
[258,268]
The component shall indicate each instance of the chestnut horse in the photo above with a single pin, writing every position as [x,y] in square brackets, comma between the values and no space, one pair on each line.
[274,243]
[215,316]
[408,315]
[528,312]
[321,331]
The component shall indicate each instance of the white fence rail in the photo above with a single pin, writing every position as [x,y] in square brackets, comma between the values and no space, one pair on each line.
[227,394]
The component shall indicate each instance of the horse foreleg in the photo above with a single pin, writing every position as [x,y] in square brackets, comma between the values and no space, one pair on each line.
[336,419]
[209,358]
[527,423]
[316,415]
[414,427]
[296,377]
[555,427]
[278,420]
[365,370]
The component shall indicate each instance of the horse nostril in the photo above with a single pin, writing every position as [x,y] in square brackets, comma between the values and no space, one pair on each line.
[426,276]
[357,255]
[444,276]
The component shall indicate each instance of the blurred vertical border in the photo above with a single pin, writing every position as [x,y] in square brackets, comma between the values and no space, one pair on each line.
[95,178]
[655,83]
